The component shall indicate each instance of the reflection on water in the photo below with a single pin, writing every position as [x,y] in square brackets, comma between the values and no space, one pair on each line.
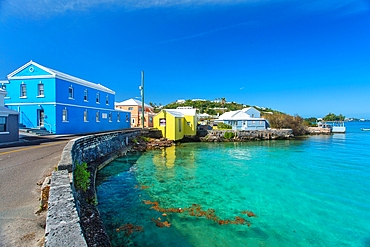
[166,157]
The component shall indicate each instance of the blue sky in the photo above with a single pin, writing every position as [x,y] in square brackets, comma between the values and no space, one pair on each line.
[300,57]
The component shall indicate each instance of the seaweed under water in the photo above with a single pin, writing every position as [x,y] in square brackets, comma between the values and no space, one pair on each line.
[196,211]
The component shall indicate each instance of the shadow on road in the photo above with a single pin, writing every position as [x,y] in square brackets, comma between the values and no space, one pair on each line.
[37,140]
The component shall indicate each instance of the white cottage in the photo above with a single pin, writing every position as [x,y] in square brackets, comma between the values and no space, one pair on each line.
[245,119]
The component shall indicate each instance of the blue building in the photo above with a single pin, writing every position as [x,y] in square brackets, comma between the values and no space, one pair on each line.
[245,119]
[60,103]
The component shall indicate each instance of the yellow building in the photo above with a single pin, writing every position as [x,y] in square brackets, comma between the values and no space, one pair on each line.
[176,124]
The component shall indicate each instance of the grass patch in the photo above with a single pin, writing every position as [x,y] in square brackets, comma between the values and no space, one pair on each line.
[81,176]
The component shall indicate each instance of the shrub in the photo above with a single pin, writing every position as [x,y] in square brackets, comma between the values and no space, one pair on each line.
[81,176]
[229,135]
[285,121]
[146,139]
[223,126]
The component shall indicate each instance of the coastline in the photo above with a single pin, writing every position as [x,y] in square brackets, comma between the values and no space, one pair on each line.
[92,226]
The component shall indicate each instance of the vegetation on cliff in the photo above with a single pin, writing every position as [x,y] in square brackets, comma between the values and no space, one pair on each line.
[285,121]
[214,107]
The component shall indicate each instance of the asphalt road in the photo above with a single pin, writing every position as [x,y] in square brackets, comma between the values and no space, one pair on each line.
[23,167]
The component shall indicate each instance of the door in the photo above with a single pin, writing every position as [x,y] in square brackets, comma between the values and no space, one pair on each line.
[40,118]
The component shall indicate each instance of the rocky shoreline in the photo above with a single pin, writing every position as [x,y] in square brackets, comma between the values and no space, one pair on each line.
[245,135]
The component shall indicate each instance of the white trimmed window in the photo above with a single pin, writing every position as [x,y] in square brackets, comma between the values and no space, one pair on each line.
[98,98]
[65,115]
[23,90]
[40,89]
[86,95]
[118,117]
[86,116]
[97,116]
[70,92]
[107,100]
[3,124]
[110,117]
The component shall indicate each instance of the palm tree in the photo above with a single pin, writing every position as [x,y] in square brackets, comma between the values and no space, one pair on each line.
[223,101]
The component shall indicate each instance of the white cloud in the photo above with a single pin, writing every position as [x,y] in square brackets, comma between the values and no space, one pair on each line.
[42,8]
[34,8]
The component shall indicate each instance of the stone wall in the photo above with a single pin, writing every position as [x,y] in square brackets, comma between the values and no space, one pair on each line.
[73,219]
[62,223]
[319,131]
[246,135]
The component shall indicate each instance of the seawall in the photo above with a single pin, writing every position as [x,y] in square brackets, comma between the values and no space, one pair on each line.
[72,218]
[319,131]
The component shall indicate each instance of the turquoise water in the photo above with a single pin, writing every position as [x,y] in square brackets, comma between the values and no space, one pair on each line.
[309,192]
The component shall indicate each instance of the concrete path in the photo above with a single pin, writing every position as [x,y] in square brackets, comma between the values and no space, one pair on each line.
[23,167]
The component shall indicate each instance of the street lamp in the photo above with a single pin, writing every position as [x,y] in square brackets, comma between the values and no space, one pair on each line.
[142,98]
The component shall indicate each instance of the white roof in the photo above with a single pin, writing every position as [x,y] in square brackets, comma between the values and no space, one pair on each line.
[237,115]
[60,75]
[175,113]
[182,112]
[130,102]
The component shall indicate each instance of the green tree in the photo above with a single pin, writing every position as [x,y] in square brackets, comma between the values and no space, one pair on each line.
[223,101]
[333,117]
[311,121]
[211,112]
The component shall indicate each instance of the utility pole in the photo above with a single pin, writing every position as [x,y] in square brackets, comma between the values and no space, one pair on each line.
[142,98]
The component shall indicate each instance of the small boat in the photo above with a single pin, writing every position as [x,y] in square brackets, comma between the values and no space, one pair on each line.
[365,129]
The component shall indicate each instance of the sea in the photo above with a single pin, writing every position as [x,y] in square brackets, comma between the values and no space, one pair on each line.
[312,191]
